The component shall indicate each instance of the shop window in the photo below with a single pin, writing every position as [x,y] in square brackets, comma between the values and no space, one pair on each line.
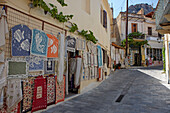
[134,27]
[149,30]
[86,5]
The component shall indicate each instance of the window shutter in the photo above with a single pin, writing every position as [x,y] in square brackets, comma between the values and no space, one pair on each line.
[104,19]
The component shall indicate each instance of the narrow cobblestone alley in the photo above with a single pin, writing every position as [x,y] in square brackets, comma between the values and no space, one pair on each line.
[141,90]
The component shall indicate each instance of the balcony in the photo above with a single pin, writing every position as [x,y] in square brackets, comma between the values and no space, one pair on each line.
[162,15]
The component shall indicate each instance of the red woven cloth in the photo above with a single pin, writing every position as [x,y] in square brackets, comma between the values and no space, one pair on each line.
[40,94]
[60,90]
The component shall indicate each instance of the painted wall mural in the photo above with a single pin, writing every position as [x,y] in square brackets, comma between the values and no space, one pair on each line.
[21,40]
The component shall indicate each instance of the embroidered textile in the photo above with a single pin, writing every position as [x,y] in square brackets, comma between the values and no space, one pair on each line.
[36,63]
[72,66]
[14,93]
[52,46]
[61,58]
[49,66]
[96,72]
[21,40]
[16,109]
[17,68]
[60,90]
[3,76]
[86,73]
[50,90]
[78,72]
[27,88]
[89,59]
[92,59]
[2,98]
[85,61]
[99,51]
[80,44]
[95,59]
[40,94]
[39,44]
[71,44]
[3,27]
[2,54]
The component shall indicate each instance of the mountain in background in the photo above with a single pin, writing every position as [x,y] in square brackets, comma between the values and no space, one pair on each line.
[135,8]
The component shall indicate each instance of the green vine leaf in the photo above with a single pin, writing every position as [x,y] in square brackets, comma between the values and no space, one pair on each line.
[89,36]
[62,3]
[54,11]
[73,28]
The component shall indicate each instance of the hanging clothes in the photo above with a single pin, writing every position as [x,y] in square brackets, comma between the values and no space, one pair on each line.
[72,65]
[3,27]
[40,94]
[61,58]
[14,93]
[78,72]
[3,32]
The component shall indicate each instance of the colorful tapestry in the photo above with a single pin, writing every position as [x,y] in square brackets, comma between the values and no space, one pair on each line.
[36,63]
[17,68]
[99,51]
[60,90]
[61,58]
[49,66]
[40,94]
[52,46]
[50,89]
[39,44]
[21,40]
[71,43]
[14,93]
[27,90]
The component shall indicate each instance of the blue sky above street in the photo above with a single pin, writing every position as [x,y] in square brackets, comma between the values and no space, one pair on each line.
[121,4]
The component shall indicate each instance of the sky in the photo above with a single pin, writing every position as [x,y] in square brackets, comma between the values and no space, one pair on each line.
[117,4]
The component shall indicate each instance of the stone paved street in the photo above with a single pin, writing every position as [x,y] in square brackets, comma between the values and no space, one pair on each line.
[143,92]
